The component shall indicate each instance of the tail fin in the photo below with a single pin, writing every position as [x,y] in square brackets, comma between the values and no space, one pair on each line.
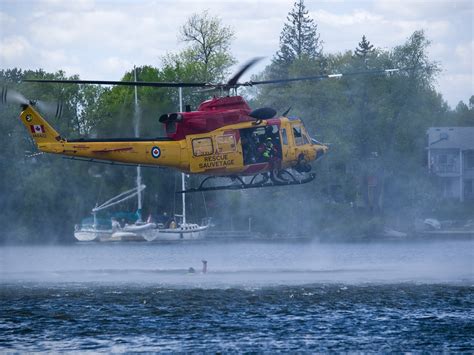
[40,130]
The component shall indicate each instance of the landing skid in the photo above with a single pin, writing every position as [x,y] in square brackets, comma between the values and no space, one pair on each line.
[281,178]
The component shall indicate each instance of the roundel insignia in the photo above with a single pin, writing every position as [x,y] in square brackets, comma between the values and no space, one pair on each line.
[29,118]
[155,152]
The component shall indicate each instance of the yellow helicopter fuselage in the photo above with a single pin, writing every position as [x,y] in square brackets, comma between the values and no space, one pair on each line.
[221,152]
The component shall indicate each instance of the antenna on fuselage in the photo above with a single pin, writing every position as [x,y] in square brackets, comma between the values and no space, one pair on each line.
[286,112]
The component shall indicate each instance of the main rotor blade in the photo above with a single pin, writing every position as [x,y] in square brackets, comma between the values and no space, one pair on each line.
[123,83]
[320,77]
[233,81]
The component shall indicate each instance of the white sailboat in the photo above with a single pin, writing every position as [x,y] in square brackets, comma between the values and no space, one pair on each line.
[180,231]
[98,230]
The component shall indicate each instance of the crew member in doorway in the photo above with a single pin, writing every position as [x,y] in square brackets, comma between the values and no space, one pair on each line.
[267,150]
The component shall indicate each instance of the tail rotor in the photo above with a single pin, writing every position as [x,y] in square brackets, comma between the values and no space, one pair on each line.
[12,97]
[9,96]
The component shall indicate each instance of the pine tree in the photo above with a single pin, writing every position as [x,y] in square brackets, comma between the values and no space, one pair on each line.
[364,48]
[299,37]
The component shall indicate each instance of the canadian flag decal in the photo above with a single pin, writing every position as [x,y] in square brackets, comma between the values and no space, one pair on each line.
[36,128]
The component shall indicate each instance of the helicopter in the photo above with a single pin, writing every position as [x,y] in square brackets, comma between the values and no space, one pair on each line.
[223,138]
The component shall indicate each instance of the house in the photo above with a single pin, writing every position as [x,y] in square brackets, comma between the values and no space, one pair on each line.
[451,159]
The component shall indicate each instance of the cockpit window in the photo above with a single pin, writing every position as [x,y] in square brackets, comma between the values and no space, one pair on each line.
[298,136]
[284,136]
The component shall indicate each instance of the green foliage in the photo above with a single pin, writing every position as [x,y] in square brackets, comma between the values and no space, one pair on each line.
[115,111]
[209,42]
[181,68]
[463,115]
[206,59]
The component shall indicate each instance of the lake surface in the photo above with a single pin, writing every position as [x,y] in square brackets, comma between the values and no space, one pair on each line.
[255,297]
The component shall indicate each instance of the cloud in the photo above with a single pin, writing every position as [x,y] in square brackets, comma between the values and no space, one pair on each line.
[67,28]
[357,17]
[461,87]
[434,29]
[13,48]
[76,5]
[464,54]
[103,39]
[438,50]
[386,30]
[115,64]
[53,57]
[427,9]
[6,20]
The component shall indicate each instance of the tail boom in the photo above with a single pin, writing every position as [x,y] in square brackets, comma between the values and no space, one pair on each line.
[140,152]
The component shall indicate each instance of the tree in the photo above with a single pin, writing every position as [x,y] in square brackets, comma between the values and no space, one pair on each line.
[364,51]
[209,46]
[463,114]
[181,66]
[364,48]
[299,37]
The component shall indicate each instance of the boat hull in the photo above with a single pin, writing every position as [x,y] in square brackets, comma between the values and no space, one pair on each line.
[92,235]
[123,236]
[138,228]
[176,234]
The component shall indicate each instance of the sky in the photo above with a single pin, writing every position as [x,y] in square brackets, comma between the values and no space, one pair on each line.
[102,40]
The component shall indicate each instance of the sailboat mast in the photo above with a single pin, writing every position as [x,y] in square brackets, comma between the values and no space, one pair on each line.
[137,133]
[183,182]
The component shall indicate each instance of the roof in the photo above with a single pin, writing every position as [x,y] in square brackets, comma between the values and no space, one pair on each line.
[451,138]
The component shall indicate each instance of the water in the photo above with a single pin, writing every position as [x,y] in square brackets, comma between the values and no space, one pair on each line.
[255,297]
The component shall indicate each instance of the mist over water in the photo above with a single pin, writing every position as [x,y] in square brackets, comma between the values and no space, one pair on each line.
[281,296]
[242,264]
